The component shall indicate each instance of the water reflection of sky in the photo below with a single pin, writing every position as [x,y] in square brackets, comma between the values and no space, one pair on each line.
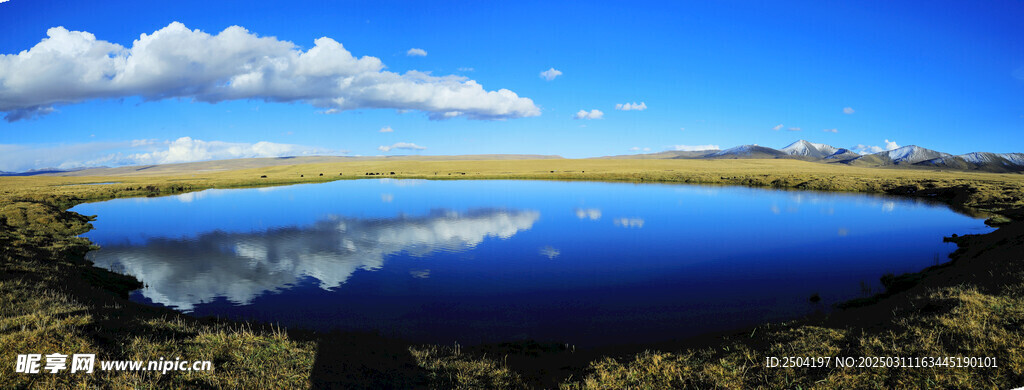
[588,263]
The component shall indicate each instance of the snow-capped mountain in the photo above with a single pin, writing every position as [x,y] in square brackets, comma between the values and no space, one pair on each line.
[809,149]
[912,154]
[747,151]
[907,156]
[992,162]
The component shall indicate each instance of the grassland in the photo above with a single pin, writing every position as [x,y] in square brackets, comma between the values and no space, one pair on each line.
[52,300]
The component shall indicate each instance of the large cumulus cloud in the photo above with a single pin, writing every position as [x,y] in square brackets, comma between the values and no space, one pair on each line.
[175,62]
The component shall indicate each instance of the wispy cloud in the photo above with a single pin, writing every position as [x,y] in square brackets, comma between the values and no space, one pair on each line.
[416,52]
[869,149]
[831,130]
[694,148]
[638,149]
[592,114]
[794,129]
[777,127]
[400,145]
[591,214]
[175,62]
[17,158]
[631,106]
[848,110]
[387,129]
[550,74]
[466,69]
[629,222]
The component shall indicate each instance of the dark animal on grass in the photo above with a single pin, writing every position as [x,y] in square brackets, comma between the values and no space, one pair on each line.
[263,177]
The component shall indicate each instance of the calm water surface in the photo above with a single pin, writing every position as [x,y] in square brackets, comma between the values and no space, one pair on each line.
[591,264]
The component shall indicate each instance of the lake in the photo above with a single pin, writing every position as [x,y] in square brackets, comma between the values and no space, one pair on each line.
[585,263]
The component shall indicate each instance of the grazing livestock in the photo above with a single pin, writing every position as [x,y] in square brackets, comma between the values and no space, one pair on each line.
[321,174]
[263,177]
[339,173]
[392,173]
[302,175]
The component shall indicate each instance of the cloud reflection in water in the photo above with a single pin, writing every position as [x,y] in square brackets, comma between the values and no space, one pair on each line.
[241,266]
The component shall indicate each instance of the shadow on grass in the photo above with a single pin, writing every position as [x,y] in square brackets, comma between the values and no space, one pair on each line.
[365,361]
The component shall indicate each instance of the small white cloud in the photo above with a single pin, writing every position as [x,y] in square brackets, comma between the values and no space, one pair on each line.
[629,222]
[387,129]
[694,148]
[866,149]
[549,252]
[631,106]
[831,130]
[777,127]
[682,129]
[593,114]
[848,110]
[420,274]
[550,74]
[591,214]
[400,145]
[794,129]
[416,52]
[466,69]
[891,145]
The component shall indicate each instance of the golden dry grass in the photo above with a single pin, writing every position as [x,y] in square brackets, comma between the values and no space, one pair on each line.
[51,300]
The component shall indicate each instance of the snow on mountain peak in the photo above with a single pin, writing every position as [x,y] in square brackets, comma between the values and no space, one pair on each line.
[811,149]
[912,154]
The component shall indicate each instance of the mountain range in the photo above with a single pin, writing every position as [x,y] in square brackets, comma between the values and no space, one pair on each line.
[912,156]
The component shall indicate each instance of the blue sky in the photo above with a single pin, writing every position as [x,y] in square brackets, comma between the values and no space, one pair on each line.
[943,75]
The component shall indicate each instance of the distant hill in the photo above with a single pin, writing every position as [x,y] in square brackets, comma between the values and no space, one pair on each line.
[247,163]
[905,157]
[980,161]
[669,154]
[747,151]
[912,156]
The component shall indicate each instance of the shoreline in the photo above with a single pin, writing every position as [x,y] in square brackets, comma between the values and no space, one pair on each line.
[960,193]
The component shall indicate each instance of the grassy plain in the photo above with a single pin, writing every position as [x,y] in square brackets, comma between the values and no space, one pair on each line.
[52,300]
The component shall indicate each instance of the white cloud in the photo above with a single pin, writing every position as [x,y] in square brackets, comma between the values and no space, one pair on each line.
[549,252]
[387,129]
[143,152]
[831,130]
[593,114]
[866,149]
[694,148]
[174,62]
[400,145]
[848,110]
[631,106]
[466,69]
[629,222]
[329,251]
[591,214]
[777,127]
[550,74]
[869,149]
[416,52]
[794,129]
[891,145]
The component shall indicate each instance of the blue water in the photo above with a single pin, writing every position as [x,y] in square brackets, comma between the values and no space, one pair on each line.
[591,264]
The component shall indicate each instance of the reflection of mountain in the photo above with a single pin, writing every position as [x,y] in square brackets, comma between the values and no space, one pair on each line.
[240,266]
